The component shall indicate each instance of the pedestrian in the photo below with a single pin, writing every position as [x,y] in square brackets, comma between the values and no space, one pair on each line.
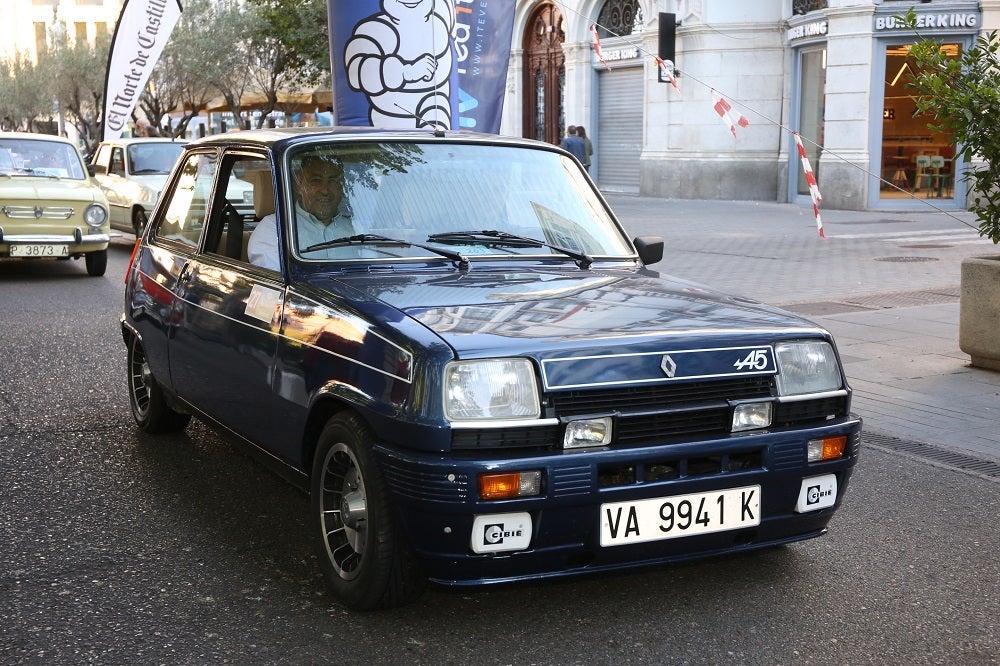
[582,133]
[574,144]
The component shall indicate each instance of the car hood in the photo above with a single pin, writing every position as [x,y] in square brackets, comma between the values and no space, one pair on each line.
[153,181]
[487,313]
[47,190]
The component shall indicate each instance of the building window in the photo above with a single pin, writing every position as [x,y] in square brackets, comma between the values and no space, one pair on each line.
[80,30]
[619,18]
[101,30]
[41,38]
[800,7]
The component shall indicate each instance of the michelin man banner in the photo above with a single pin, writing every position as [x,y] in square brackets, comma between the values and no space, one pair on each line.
[143,28]
[420,63]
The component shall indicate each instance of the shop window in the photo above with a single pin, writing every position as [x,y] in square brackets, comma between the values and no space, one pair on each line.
[915,160]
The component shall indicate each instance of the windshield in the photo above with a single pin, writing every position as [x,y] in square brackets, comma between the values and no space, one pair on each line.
[153,158]
[38,157]
[476,200]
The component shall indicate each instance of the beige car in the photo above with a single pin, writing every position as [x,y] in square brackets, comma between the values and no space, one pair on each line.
[50,206]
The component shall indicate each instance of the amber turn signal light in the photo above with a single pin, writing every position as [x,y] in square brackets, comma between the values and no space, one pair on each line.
[828,448]
[508,485]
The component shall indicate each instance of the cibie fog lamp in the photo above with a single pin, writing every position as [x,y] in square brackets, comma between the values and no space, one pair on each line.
[751,416]
[584,433]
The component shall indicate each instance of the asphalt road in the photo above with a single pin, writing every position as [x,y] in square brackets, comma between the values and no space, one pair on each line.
[122,548]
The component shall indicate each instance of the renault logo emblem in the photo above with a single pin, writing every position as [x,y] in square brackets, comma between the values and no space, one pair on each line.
[38,212]
[668,366]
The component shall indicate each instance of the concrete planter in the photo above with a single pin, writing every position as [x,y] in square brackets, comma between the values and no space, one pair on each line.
[979,320]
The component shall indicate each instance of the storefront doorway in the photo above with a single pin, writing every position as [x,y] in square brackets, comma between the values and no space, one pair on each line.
[544,81]
[812,110]
[915,161]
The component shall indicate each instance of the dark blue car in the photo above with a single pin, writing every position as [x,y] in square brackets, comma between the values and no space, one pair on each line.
[451,343]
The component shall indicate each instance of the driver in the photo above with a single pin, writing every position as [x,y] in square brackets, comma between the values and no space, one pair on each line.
[321,211]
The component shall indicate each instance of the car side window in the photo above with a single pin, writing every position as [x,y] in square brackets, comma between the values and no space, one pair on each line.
[242,180]
[102,159]
[189,201]
[117,162]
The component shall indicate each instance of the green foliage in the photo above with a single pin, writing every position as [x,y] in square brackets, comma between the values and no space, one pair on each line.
[962,96]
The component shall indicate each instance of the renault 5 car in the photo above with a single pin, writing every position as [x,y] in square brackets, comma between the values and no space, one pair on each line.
[451,343]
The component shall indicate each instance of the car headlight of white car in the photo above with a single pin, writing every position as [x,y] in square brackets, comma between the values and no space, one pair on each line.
[807,366]
[491,389]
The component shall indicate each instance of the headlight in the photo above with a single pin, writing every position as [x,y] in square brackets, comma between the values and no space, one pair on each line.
[95,215]
[807,367]
[491,389]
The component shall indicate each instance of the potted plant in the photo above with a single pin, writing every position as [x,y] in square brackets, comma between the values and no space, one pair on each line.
[962,97]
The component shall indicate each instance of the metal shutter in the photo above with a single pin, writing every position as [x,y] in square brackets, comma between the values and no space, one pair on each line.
[618,143]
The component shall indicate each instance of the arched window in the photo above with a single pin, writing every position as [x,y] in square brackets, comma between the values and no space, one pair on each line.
[619,18]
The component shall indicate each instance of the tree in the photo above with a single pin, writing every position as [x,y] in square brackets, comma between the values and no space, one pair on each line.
[193,58]
[289,48]
[22,97]
[962,96]
[74,75]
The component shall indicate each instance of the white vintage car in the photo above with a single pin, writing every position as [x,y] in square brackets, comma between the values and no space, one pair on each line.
[131,173]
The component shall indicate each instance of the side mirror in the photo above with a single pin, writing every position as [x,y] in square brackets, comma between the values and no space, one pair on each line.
[91,170]
[650,249]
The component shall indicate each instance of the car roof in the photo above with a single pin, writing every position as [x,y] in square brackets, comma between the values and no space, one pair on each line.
[144,139]
[291,135]
[35,137]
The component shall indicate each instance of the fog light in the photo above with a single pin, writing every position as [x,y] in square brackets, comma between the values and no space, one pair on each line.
[751,416]
[507,485]
[587,432]
[827,448]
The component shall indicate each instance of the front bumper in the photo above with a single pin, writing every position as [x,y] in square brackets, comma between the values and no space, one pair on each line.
[77,241]
[436,501]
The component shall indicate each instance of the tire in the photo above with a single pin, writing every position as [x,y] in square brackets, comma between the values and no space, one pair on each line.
[139,221]
[97,263]
[365,561]
[145,397]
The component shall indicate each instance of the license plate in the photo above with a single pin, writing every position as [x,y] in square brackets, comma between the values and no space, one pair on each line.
[39,250]
[679,516]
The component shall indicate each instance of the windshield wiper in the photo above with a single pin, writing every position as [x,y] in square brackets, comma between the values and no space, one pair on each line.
[491,237]
[375,239]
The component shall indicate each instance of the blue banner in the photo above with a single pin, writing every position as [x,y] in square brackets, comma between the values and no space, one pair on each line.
[429,63]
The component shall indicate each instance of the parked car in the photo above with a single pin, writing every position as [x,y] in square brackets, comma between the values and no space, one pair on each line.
[474,371]
[50,206]
[132,172]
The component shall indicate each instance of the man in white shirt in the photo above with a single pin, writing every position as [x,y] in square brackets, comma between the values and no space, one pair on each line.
[321,212]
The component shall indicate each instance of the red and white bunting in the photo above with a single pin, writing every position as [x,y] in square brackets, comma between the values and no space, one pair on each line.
[667,72]
[811,180]
[597,46]
[723,108]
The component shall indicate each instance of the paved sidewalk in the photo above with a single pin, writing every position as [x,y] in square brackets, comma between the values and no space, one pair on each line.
[886,285]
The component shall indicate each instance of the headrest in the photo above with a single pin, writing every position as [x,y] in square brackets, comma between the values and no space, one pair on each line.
[263,191]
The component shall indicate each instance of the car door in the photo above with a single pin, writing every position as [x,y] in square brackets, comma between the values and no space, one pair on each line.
[223,347]
[109,169]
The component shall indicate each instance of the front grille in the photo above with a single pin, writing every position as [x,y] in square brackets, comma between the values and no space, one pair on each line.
[653,415]
[47,212]
[646,398]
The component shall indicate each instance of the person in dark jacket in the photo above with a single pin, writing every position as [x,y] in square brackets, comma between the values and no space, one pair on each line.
[574,144]
[582,133]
